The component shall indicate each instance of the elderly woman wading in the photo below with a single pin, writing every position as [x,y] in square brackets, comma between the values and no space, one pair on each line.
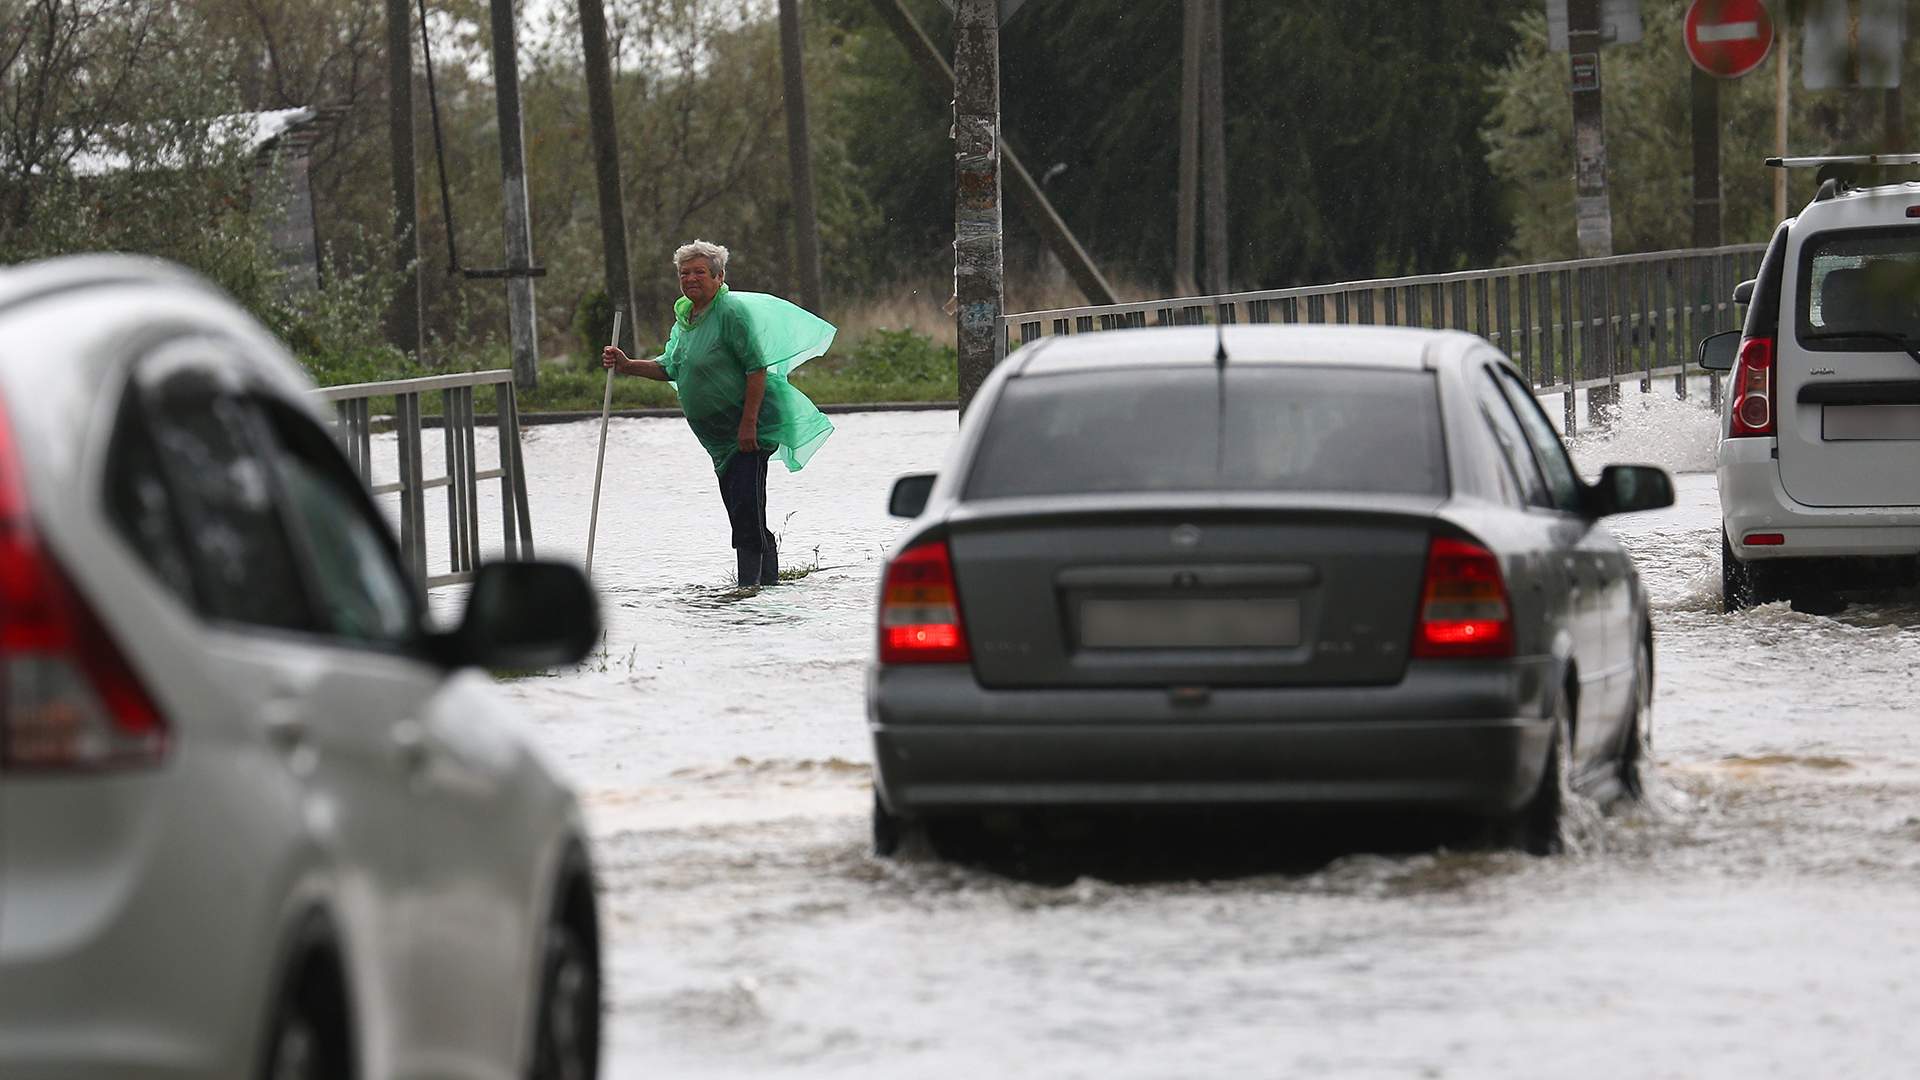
[728,357]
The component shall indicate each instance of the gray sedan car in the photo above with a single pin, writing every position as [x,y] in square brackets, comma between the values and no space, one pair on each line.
[1329,566]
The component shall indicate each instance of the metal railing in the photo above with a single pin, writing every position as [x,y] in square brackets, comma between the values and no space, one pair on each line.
[1578,325]
[353,406]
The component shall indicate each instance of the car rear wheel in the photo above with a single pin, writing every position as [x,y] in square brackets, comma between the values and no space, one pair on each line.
[1637,750]
[567,1039]
[1539,828]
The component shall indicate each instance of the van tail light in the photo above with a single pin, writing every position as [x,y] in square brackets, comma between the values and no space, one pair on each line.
[69,701]
[920,609]
[1463,604]
[1752,389]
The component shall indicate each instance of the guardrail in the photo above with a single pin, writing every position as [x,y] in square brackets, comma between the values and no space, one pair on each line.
[353,407]
[1584,324]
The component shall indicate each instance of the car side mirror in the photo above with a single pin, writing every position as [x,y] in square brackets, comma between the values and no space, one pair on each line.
[523,615]
[1743,292]
[1624,489]
[910,493]
[1718,350]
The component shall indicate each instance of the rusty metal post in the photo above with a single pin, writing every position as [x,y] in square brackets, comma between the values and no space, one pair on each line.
[978,263]
[1706,159]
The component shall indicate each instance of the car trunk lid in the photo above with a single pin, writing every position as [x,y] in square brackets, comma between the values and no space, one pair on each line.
[1249,591]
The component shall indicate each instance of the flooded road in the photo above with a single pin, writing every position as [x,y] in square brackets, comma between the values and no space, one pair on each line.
[1759,915]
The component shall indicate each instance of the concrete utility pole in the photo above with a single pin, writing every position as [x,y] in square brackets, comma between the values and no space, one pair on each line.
[1593,216]
[806,222]
[606,153]
[1894,133]
[1194,26]
[513,181]
[1213,118]
[403,317]
[1706,159]
[1028,199]
[978,258]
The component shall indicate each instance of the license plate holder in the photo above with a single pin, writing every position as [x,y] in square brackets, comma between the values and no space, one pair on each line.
[1189,622]
[1859,423]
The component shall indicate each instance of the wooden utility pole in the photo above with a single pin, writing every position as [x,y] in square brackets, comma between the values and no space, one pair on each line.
[403,317]
[1706,159]
[606,154]
[1213,120]
[1593,216]
[1184,281]
[513,181]
[806,222]
[979,263]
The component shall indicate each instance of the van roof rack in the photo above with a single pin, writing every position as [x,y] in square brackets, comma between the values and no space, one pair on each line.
[1842,159]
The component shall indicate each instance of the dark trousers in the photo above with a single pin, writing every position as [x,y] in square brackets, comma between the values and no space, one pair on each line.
[743,487]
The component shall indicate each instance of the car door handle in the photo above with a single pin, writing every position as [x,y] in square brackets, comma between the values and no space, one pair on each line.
[410,745]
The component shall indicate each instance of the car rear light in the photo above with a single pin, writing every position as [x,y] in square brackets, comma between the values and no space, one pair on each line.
[920,609]
[1764,539]
[1752,389]
[1463,604]
[68,699]
[1913,211]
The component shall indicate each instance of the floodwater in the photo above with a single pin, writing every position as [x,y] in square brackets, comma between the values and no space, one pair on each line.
[1758,915]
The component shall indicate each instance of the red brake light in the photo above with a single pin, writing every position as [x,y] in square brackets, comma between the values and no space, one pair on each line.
[920,609]
[68,698]
[1913,211]
[1463,603]
[1752,389]
[1763,539]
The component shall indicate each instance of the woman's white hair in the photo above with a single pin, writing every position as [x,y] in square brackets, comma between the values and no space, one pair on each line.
[715,254]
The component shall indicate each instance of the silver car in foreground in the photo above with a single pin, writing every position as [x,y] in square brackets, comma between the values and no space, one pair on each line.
[1345,566]
[255,819]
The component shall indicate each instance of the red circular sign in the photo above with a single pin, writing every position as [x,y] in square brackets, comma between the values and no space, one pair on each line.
[1728,38]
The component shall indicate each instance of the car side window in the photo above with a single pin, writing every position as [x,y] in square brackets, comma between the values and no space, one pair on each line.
[1513,441]
[140,506]
[205,435]
[362,594]
[1562,482]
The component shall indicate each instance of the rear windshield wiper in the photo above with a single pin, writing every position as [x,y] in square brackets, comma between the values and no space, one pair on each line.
[1910,345]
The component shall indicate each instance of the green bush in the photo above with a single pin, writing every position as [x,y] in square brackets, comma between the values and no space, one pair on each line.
[593,322]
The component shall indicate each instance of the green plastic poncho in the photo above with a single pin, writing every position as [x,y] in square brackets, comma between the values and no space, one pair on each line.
[709,360]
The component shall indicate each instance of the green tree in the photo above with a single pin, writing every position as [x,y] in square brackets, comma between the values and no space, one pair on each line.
[1648,118]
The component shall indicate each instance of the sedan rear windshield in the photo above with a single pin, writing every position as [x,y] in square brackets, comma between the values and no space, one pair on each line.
[1294,428]
[1860,289]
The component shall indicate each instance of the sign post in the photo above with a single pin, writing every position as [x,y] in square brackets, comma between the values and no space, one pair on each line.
[1725,39]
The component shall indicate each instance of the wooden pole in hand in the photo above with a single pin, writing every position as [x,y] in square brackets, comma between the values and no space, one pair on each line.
[606,410]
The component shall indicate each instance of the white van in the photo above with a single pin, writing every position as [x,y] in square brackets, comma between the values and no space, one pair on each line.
[1819,457]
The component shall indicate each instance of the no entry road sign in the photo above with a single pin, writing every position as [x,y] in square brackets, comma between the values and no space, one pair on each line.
[1728,38]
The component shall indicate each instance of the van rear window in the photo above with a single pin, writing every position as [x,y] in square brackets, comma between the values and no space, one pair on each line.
[1860,289]
[1292,428]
